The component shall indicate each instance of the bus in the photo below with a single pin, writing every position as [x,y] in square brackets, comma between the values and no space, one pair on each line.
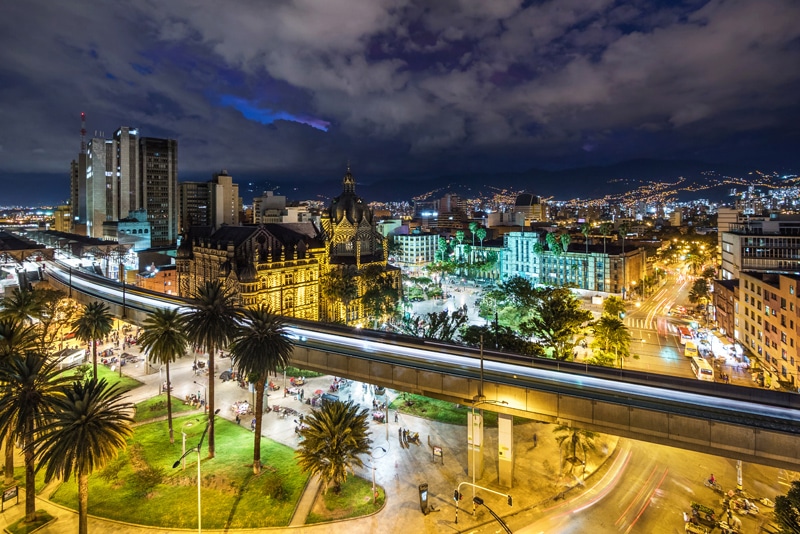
[702,370]
[690,349]
[684,334]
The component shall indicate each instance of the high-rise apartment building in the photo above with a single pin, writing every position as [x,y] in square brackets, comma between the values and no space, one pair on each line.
[768,318]
[213,203]
[127,173]
[761,245]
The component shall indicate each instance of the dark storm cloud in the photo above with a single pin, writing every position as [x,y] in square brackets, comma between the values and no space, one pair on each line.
[400,86]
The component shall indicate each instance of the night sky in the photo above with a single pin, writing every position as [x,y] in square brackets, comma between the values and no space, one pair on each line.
[294,89]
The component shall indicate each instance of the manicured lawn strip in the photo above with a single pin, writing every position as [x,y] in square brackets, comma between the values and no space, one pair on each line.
[157,407]
[112,377]
[354,500]
[20,527]
[443,411]
[295,372]
[232,496]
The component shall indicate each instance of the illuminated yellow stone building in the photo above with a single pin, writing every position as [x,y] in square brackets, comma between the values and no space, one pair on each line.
[273,263]
[283,264]
[354,247]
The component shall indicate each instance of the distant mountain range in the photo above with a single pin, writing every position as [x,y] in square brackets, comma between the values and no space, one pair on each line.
[582,182]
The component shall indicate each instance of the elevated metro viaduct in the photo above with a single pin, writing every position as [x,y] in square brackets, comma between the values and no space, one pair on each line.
[745,424]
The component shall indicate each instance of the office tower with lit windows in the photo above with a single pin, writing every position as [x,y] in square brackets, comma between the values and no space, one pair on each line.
[127,173]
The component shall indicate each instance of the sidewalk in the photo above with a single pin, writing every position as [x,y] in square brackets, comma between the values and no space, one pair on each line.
[400,471]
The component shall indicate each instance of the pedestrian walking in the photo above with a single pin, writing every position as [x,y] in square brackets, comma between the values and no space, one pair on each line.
[395,417]
[238,421]
[253,424]
[535,440]
[400,435]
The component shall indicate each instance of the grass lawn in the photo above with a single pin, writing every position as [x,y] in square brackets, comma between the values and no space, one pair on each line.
[443,411]
[157,407]
[21,527]
[354,500]
[112,377]
[19,477]
[294,371]
[232,496]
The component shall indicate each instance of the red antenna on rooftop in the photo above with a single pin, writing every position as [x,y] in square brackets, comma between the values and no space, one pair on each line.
[83,132]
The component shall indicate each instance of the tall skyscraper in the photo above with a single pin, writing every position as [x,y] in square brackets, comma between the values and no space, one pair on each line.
[158,162]
[128,173]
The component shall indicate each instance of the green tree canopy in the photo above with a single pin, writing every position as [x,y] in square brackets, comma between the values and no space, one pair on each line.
[557,317]
[787,509]
[613,306]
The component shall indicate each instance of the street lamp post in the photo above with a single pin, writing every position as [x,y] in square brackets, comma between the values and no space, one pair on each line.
[372,455]
[199,494]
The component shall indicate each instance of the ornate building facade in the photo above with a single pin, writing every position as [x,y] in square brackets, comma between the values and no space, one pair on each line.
[337,273]
[355,254]
[277,264]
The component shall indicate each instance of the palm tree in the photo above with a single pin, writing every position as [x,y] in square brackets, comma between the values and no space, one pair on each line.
[261,346]
[87,429]
[555,247]
[565,241]
[210,324]
[575,439]
[612,334]
[605,229]
[337,434]
[481,233]
[700,293]
[30,384]
[339,285]
[165,341]
[473,227]
[15,338]
[92,325]
[585,229]
[22,304]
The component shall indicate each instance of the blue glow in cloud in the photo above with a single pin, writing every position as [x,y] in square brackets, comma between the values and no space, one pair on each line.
[268,116]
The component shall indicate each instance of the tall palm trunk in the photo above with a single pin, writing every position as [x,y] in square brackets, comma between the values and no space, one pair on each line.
[30,477]
[210,400]
[83,503]
[9,467]
[94,360]
[259,413]
[169,407]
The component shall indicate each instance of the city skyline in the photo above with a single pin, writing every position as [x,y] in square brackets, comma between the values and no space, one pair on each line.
[294,92]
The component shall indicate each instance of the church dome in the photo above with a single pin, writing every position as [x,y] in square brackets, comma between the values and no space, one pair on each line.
[348,204]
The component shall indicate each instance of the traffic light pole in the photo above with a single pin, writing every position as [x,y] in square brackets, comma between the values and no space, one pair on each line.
[457,495]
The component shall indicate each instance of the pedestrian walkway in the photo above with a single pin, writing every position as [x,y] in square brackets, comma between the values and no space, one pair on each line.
[306,502]
[399,470]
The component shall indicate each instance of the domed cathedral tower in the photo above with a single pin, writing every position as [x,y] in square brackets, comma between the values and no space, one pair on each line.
[356,258]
